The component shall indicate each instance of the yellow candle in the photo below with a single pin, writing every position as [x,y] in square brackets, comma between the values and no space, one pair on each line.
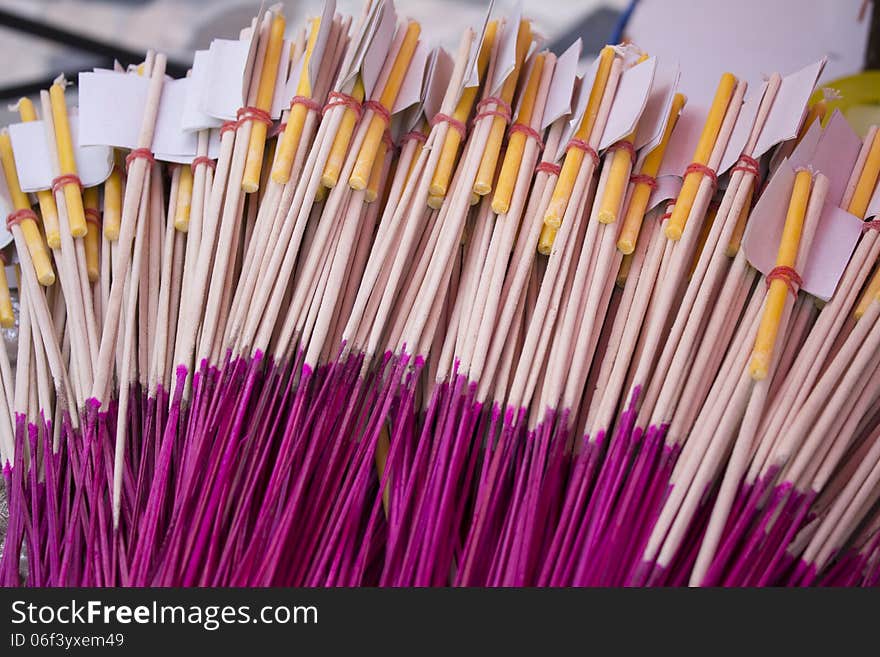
[449,150]
[623,272]
[372,192]
[93,237]
[367,154]
[72,194]
[574,156]
[7,316]
[48,209]
[859,207]
[30,230]
[265,90]
[545,241]
[641,194]
[768,329]
[486,171]
[184,199]
[740,228]
[676,223]
[289,139]
[112,205]
[516,142]
[339,150]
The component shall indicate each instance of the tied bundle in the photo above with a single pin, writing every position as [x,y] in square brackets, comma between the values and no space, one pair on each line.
[409,319]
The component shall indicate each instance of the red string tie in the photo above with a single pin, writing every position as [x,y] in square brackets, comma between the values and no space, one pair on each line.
[644,179]
[418,135]
[747,164]
[15,218]
[93,216]
[787,275]
[454,123]
[668,212]
[251,113]
[336,99]
[228,126]
[528,131]
[623,144]
[581,145]
[139,153]
[871,225]
[696,167]
[203,159]
[66,179]
[310,104]
[548,167]
[379,110]
[502,109]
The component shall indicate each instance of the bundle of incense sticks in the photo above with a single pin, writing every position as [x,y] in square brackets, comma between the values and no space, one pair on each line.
[345,309]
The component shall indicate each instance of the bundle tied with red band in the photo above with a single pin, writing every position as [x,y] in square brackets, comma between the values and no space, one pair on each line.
[528,131]
[59,182]
[588,150]
[203,160]
[625,145]
[15,218]
[454,123]
[787,275]
[705,170]
[142,153]
[501,110]
[338,99]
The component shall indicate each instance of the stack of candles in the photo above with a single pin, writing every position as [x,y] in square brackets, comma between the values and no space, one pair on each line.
[478,347]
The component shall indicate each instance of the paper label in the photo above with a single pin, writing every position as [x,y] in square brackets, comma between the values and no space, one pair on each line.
[787,111]
[320,47]
[472,72]
[377,48]
[35,171]
[413,82]
[580,106]
[629,101]
[559,95]
[506,60]
[652,123]
[193,117]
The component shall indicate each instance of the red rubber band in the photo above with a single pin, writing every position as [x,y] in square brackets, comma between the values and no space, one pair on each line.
[92,216]
[502,109]
[644,179]
[378,109]
[696,167]
[787,275]
[581,145]
[203,159]
[15,218]
[548,167]
[66,179]
[868,226]
[623,144]
[227,126]
[528,131]
[251,113]
[454,123]
[668,213]
[143,153]
[418,135]
[747,164]
[310,104]
[336,99]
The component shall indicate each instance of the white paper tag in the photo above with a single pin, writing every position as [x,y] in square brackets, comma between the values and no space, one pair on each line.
[472,71]
[506,60]
[786,114]
[411,88]
[745,123]
[93,163]
[193,118]
[629,101]
[377,49]
[652,123]
[580,106]
[559,95]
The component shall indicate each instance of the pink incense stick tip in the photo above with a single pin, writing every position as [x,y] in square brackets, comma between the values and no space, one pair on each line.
[92,403]
[419,362]
[306,370]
